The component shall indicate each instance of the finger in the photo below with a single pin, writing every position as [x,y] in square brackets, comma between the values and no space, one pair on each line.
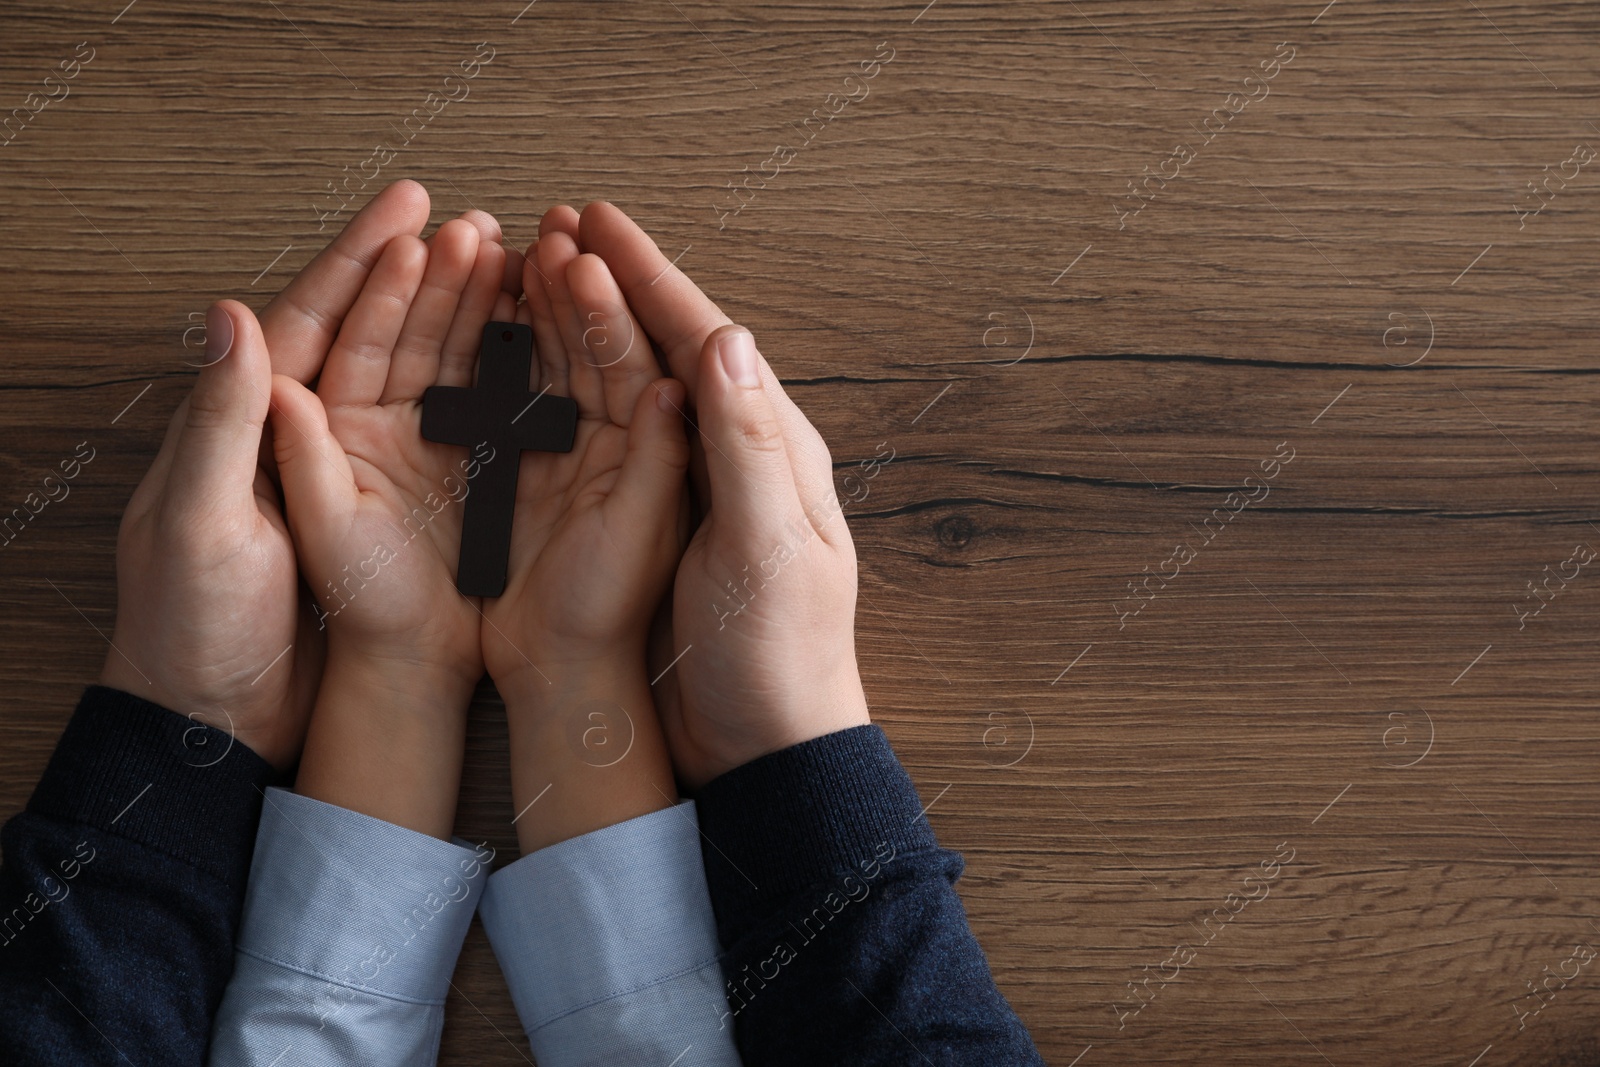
[808,452]
[302,321]
[650,484]
[452,252]
[153,484]
[557,251]
[489,232]
[559,219]
[613,340]
[215,452]
[680,319]
[553,351]
[752,481]
[460,354]
[672,308]
[358,363]
[547,343]
[319,490]
[487,225]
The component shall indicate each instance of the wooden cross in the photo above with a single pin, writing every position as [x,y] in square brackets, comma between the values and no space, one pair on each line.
[501,411]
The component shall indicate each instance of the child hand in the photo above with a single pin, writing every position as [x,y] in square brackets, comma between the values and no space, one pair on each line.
[596,535]
[376,514]
[209,622]
[302,322]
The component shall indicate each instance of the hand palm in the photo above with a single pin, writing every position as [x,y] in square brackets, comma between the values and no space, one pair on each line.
[560,523]
[593,538]
[376,510]
[406,500]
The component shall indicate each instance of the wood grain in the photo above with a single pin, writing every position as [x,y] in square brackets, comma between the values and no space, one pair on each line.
[940,271]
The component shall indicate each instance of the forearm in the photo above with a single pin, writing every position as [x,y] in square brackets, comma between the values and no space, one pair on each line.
[386,740]
[126,872]
[586,748]
[833,900]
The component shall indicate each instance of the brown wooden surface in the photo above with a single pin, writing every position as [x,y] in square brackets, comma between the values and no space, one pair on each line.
[897,262]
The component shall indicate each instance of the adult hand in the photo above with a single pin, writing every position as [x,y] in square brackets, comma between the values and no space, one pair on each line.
[763,606]
[209,621]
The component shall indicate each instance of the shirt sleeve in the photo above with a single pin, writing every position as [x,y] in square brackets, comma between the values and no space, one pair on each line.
[609,948]
[121,887]
[845,939]
[351,931]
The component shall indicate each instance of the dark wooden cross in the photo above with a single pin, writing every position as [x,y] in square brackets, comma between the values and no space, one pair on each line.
[502,412]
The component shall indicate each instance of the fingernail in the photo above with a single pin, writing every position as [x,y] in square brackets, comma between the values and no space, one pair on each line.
[664,398]
[737,349]
[219,334]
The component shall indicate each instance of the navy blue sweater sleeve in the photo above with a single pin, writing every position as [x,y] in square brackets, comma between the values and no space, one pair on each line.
[845,940]
[121,885]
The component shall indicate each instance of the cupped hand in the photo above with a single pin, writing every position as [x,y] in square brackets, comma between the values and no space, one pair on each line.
[375,508]
[764,600]
[209,620]
[763,605]
[596,530]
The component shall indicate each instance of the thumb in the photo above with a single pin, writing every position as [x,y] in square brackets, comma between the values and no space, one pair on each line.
[747,459]
[651,478]
[216,452]
[318,484]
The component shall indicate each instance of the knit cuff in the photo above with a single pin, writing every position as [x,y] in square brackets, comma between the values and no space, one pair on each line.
[837,809]
[128,767]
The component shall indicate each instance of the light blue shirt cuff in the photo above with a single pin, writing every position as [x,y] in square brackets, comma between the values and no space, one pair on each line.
[609,947]
[351,931]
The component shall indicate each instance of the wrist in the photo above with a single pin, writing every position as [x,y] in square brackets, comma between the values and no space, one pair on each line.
[403,681]
[561,676]
[586,747]
[268,719]
[386,739]
[769,724]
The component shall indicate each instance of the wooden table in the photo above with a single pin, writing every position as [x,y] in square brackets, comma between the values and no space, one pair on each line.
[1238,368]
